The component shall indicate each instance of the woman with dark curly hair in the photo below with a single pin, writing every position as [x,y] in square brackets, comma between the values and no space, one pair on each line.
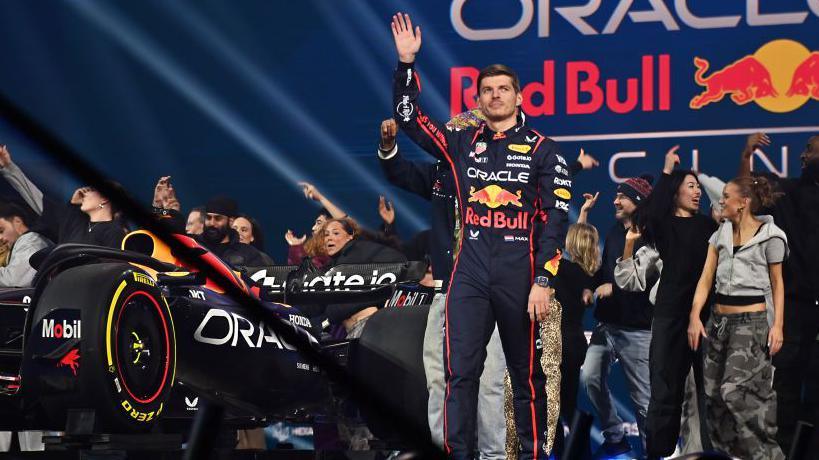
[745,258]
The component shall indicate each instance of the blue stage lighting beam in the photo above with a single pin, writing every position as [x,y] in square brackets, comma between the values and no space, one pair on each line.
[265,84]
[142,48]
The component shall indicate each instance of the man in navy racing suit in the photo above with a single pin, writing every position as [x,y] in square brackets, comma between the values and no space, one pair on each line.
[508,178]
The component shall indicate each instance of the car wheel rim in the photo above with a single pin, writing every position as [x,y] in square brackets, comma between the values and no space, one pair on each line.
[142,342]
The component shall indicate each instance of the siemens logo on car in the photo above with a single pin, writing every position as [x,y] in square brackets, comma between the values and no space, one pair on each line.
[61,330]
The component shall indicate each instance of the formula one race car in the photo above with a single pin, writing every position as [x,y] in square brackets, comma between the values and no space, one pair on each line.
[112,331]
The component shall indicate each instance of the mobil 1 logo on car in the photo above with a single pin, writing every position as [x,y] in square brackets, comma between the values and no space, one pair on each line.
[54,343]
[56,329]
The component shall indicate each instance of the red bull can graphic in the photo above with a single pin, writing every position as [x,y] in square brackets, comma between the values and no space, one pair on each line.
[494,196]
[780,76]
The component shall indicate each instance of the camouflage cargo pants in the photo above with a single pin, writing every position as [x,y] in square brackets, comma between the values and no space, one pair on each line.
[739,398]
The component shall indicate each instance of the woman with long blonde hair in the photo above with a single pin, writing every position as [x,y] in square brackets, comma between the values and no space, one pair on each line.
[573,289]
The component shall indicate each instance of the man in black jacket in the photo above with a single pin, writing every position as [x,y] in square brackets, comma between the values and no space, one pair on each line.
[796,379]
[433,182]
[222,240]
[217,235]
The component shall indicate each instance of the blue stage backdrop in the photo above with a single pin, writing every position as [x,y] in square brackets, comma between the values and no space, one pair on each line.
[248,98]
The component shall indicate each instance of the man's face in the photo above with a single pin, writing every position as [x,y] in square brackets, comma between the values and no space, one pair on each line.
[8,234]
[216,220]
[497,98]
[811,153]
[623,207]
[217,228]
[194,225]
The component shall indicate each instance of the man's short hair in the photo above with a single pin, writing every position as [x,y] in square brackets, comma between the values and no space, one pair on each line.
[9,211]
[499,69]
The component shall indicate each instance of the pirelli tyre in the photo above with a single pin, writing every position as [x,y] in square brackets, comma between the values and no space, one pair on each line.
[101,338]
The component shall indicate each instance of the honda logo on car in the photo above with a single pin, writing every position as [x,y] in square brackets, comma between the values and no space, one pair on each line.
[62,330]
[300,321]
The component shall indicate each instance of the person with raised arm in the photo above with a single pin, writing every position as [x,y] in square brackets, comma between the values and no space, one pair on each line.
[623,331]
[89,217]
[796,212]
[507,177]
[670,221]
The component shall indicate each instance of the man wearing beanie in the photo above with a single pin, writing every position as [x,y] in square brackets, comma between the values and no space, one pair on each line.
[623,331]
[222,240]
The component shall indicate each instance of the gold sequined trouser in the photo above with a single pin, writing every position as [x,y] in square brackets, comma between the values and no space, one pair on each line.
[550,360]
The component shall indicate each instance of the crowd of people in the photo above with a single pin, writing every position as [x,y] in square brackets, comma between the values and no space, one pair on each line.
[697,308]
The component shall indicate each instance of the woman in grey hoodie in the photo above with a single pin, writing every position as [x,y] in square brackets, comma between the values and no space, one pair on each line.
[745,258]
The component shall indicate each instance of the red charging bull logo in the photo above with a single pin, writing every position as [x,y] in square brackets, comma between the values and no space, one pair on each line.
[745,80]
[494,196]
[780,76]
[805,81]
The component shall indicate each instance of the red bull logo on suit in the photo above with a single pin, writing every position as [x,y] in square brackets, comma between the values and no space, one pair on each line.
[494,196]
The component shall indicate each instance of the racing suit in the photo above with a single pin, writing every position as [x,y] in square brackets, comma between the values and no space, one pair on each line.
[507,182]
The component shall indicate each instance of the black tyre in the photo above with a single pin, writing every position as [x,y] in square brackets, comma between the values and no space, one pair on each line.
[119,359]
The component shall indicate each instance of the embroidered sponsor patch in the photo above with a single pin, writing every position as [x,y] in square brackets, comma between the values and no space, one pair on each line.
[553,264]
[520,148]
[563,193]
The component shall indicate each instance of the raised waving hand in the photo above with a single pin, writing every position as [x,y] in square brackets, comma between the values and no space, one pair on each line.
[407,41]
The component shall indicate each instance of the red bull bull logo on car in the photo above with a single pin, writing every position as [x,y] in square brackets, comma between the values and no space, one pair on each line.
[780,76]
[494,196]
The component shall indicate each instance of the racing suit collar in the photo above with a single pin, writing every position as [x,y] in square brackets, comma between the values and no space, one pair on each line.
[486,133]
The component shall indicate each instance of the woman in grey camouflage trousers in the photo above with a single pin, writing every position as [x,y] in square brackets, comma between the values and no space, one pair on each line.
[745,258]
